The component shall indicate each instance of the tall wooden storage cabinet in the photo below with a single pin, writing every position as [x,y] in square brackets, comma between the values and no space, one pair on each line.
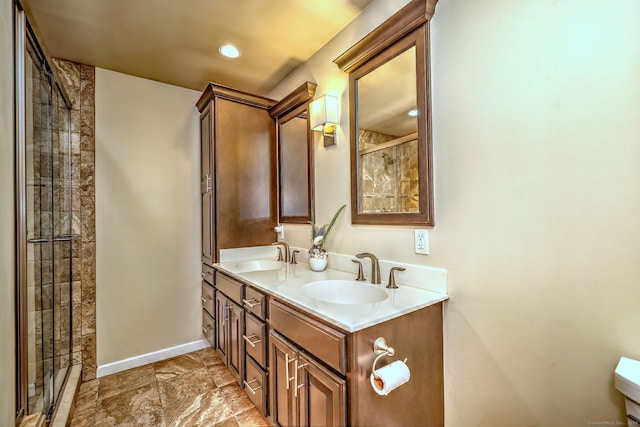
[239,177]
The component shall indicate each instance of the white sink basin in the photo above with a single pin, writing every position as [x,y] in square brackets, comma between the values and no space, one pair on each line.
[257,265]
[345,292]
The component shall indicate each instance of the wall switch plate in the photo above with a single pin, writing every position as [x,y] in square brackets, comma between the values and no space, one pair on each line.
[422,241]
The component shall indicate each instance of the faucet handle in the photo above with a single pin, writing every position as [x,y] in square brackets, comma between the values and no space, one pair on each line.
[279,253]
[293,257]
[360,277]
[392,278]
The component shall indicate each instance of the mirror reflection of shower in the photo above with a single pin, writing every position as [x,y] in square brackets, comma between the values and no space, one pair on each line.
[388,173]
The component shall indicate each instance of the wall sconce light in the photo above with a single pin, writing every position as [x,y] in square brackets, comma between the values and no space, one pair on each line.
[323,116]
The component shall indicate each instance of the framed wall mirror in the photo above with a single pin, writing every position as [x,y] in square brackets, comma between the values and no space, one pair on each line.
[295,155]
[389,106]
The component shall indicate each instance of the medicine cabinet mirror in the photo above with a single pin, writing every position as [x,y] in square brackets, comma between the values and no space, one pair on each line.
[295,155]
[389,106]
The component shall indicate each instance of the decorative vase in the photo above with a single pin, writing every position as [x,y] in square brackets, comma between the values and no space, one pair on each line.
[317,258]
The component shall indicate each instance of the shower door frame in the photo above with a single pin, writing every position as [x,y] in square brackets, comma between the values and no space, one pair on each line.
[24,33]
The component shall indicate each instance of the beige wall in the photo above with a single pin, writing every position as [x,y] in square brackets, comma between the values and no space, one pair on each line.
[147,217]
[536,108]
[7,284]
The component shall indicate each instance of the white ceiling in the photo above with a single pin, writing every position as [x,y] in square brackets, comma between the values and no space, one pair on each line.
[176,41]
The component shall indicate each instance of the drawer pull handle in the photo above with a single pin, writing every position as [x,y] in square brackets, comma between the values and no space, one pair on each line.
[247,385]
[251,302]
[206,329]
[206,273]
[287,360]
[206,298]
[296,386]
[248,340]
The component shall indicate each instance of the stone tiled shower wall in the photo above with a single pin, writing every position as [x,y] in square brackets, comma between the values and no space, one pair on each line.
[389,176]
[79,81]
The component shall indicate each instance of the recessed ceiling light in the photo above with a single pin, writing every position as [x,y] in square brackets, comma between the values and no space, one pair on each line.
[413,113]
[229,51]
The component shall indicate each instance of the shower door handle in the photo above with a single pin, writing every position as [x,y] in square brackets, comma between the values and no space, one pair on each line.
[38,240]
[65,237]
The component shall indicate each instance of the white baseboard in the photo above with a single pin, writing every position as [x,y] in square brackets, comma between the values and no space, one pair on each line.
[145,359]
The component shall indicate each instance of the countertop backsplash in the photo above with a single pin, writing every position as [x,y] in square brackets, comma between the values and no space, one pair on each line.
[418,276]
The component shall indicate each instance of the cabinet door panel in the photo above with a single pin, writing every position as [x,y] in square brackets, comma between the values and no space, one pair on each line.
[245,175]
[221,325]
[235,352]
[283,406]
[322,395]
[206,188]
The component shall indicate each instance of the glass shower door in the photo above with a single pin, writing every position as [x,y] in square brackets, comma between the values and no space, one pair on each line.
[39,230]
[48,231]
[62,240]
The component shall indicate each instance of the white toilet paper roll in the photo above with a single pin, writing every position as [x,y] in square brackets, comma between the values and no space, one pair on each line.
[390,377]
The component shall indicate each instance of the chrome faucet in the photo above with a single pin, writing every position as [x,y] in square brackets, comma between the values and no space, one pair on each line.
[375,267]
[285,249]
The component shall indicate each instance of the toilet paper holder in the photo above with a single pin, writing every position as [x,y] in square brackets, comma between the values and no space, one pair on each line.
[381,348]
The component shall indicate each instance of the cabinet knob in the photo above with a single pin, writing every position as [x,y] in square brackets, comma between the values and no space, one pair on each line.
[206,298]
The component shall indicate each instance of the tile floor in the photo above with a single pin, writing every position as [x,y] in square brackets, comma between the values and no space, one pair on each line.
[194,389]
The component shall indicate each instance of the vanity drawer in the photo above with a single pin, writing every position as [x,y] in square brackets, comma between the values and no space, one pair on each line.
[207,326]
[207,273]
[207,297]
[255,338]
[255,302]
[256,386]
[324,342]
[231,288]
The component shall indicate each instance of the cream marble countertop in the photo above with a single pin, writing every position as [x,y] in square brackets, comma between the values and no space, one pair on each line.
[286,283]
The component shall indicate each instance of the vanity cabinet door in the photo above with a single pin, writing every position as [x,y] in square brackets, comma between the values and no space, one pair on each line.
[222,315]
[229,331]
[303,391]
[321,394]
[283,407]
[235,351]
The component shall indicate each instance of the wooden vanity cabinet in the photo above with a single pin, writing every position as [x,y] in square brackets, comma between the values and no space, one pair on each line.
[303,391]
[300,370]
[238,170]
[332,368]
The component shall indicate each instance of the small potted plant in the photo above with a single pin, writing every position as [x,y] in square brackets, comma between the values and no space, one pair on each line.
[319,234]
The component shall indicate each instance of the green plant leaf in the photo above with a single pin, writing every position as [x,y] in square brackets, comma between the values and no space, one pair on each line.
[333,221]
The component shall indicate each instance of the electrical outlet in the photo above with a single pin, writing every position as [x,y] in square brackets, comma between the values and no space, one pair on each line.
[422,241]
[279,232]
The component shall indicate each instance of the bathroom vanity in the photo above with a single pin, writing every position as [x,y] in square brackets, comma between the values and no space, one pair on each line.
[305,361]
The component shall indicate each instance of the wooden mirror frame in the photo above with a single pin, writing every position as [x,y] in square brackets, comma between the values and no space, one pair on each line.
[407,28]
[291,106]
